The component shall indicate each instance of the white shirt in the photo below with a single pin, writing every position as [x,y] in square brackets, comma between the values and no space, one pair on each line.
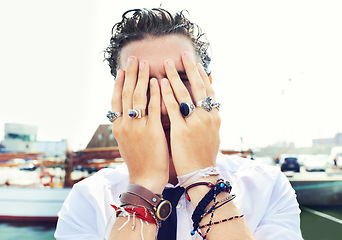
[263,195]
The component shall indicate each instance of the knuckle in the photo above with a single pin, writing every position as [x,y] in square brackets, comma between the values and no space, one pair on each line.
[207,120]
[200,86]
[217,120]
[115,131]
[137,97]
[183,93]
[174,106]
[125,129]
[126,94]
[113,102]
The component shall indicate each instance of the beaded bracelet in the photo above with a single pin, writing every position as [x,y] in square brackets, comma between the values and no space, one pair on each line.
[210,196]
[216,206]
[221,221]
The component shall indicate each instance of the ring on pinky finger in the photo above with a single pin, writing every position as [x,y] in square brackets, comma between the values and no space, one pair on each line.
[112,116]
[216,105]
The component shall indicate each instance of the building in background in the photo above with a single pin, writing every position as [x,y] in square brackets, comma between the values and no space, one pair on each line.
[337,140]
[103,137]
[55,149]
[20,138]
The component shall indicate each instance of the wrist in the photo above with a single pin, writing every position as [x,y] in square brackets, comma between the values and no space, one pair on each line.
[155,186]
[197,193]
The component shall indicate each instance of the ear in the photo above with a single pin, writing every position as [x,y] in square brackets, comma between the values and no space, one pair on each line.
[210,79]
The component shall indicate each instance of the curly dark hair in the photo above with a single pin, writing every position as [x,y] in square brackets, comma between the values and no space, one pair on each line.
[137,24]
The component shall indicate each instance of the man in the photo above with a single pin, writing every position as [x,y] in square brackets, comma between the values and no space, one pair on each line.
[166,122]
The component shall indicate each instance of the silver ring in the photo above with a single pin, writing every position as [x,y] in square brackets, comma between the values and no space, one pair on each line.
[216,105]
[186,109]
[206,103]
[113,115]
[135,113]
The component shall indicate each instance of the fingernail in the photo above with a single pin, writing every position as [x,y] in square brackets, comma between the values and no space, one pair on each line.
[118,73]
[130,60]
[142,65]
[165,81]
[171,64]
[200,66]
[153,81]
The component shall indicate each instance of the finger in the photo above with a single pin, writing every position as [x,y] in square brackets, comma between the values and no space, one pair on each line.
[178,86]
[129,85]
[195,78]
[117,92]
[171,104]
[140,92]
[209,89]
[208,86]
[154,104]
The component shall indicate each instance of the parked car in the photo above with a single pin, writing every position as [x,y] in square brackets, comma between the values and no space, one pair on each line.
[290,164]
[317,163]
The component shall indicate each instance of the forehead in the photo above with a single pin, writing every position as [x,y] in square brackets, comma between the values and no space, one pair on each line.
[155,50]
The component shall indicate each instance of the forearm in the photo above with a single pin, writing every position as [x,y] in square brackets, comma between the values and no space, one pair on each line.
[236,229]
[137,217]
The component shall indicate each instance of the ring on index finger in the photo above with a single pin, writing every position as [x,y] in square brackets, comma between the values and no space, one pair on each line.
[113,115]
[186,109]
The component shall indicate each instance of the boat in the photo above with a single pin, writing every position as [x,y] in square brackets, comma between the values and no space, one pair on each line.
[38,195]
[31,204]
[319,189]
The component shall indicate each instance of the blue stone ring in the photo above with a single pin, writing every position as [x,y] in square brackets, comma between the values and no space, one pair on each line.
[186,109]
[135,113]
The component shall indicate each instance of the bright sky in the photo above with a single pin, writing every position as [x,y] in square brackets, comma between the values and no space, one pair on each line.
[52,74]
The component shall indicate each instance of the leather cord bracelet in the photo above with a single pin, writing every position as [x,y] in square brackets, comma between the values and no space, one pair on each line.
[210,196]
[208,184]
[140,196]
[134,200]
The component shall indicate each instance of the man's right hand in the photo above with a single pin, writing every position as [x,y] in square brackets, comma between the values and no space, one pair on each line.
[142,141]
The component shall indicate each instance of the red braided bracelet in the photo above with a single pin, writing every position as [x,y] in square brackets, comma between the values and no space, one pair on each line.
[140,212]
[208,184]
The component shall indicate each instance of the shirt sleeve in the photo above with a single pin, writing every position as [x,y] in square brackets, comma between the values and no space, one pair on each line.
[79,217]
[281,220]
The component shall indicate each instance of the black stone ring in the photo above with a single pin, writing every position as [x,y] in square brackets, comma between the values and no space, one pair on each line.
[186,109]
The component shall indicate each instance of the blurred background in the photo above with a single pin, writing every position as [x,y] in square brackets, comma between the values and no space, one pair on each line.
[276,68]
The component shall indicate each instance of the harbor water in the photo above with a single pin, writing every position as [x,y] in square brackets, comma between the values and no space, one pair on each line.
[316,224]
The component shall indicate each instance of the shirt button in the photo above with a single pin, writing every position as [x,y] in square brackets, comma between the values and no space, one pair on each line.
[178,206]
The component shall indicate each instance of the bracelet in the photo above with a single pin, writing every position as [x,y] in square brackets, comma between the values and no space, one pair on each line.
[137,195]
[210,196]
[214,207]
[191,177]
[208,184]
[223,220]
[224,185]
[140,212]
[127,198]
